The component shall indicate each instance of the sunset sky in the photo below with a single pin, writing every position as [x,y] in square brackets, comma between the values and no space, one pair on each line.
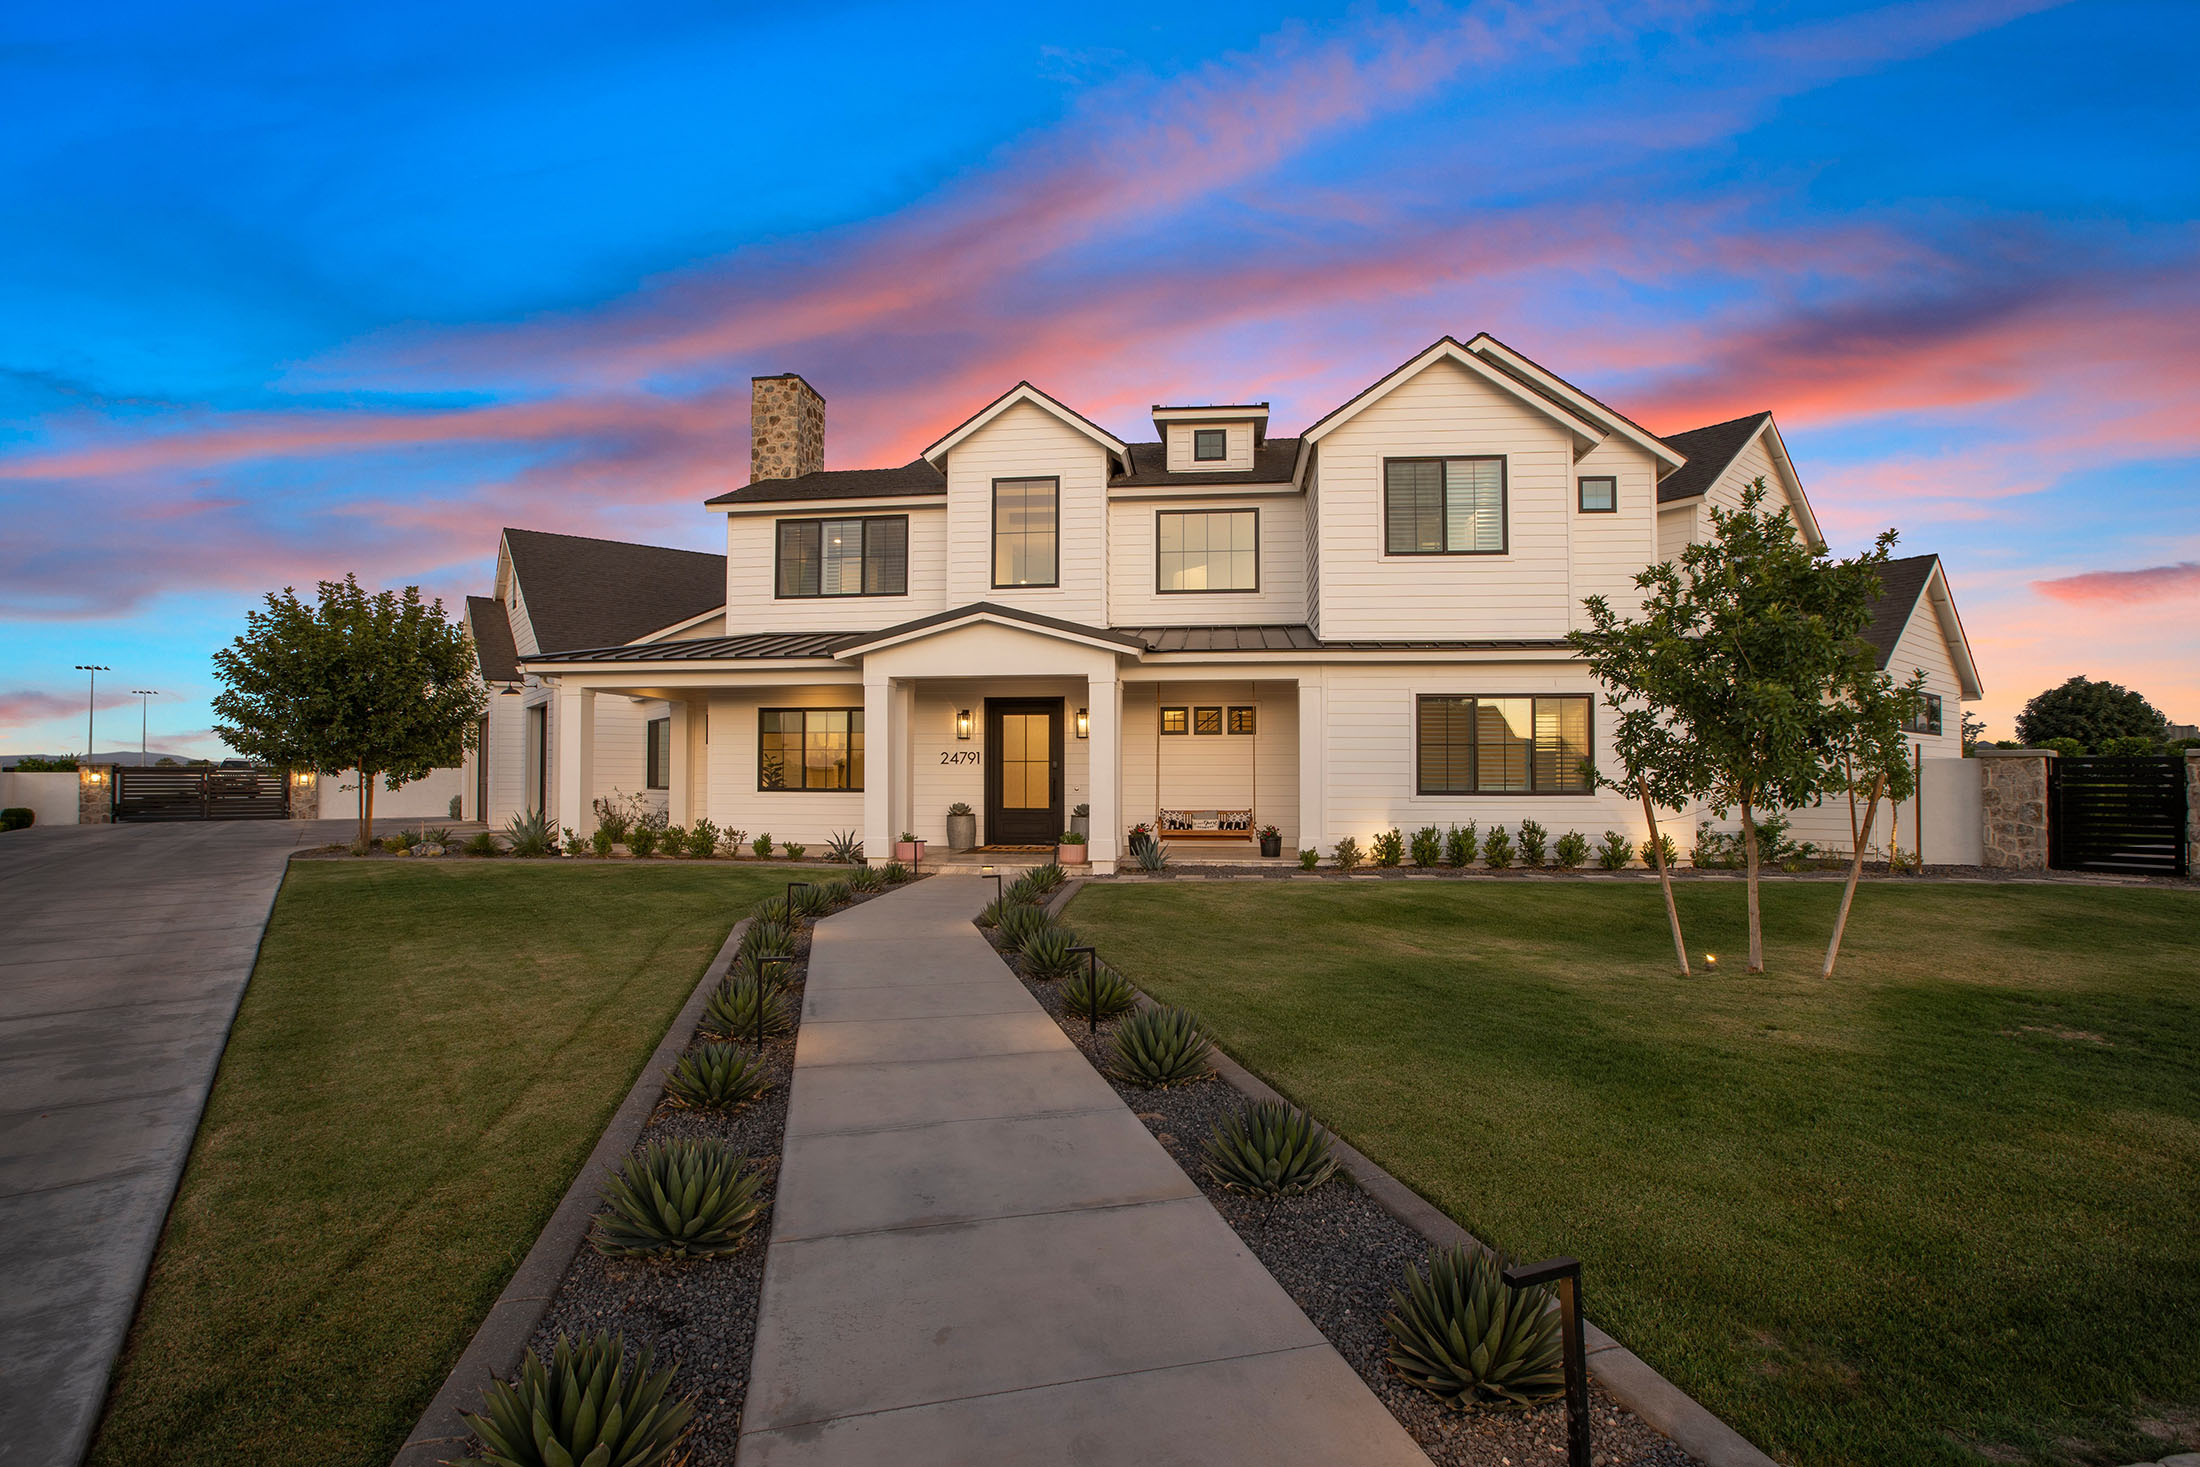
[288,291]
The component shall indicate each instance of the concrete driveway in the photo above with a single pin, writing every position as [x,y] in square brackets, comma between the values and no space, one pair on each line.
[123,953]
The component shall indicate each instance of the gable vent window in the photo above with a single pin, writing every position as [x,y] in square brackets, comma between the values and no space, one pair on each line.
[1444,506]
[852,557]
[1210,445]
[1599,495]
[1026,530]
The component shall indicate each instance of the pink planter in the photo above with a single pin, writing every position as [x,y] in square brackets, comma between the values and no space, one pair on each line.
[1070,855]
[911,851]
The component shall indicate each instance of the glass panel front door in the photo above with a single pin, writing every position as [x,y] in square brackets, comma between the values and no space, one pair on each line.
[1023,785]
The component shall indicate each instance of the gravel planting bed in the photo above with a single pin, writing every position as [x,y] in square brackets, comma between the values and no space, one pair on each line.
[1339,1254]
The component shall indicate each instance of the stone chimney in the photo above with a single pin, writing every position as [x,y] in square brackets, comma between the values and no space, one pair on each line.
[786,427]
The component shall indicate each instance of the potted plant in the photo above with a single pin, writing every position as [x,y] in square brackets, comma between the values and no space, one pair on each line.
[962,827]
[1070,850]
[1271,841]
[909,848]
[1080,820]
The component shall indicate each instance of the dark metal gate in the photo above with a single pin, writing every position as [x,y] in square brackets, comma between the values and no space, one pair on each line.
[201,794]
[2117,815]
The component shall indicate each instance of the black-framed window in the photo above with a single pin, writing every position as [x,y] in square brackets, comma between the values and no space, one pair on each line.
[863,556]
[1444,506]
[1210,445]
[659,773]
[1473,745]
[809,749]
[1176,720]
[1027,532]
[1243,721]
[1206,720]
[1199,550]
[1598,494]
[1925,715]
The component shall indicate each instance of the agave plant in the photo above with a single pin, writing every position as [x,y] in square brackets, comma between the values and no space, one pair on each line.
[838,893]
[678,1199]
[1097,993]
[1048,954]
[530,833]
[1269,1149]
[730,1012]
[715,1076]
[1046,878]
[811,902]
[894,873]
[1152,855]
[1020,925]
[866,878]
[1460,1334]
[584,1406]
[1024,891]
[773,910]
[845,848]
[763,940]
[1159,1047]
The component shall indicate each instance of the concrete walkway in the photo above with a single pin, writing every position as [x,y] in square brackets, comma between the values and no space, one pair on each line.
[123,953]
[979,1254]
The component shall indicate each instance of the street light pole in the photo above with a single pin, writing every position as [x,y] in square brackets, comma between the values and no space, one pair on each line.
[144,717]
[90,698]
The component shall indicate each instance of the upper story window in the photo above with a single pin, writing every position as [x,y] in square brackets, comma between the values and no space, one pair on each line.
[1210,445]
[1599,495]
[1207,550]
[851,557]
[1027,532]
[1486,746]
[1925,715]
[1444,506]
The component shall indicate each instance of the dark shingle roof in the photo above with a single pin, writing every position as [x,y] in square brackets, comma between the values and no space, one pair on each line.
[751,646]
[1149,466]
[918,477]
[492,631]
[596,593]
[1901,582]
[1710,449]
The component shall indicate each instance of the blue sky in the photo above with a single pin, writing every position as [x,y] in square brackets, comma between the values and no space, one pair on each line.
[290,291]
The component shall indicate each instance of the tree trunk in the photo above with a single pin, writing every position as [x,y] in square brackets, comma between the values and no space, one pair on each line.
[366,808]
[1665,877]
[1756,928]
[1856,869]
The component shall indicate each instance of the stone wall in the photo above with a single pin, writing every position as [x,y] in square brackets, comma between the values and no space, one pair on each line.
[95,794]
[305,795]
[2013,805]
[786,428]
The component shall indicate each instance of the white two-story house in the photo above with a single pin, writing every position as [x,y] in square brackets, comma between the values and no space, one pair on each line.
[1357,627]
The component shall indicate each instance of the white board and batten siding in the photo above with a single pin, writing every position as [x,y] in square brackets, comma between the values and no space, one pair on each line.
[1029,442]
[1134,597]
[752,559]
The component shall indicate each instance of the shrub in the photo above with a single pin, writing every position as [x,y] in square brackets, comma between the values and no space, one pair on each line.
[618,815]
[1497,849]
[1309,859]
[576,844]
[1665,845]
[715,1076]
[1571,850]
[1151,855]
[584,1406]
[1614,851]
[1428,846]
[894,873]
[1534,841]
[1020,924]
[1388,848]
[844,849]
[762,845]
[678,1199]
[529,834]
[1047,956]
[764,940]
[2068,748]
[732,842]
[702,840]
[1096,992]
[1716,850]
[1346,853]
[792,850]
[36,765]
[730,1012]
[1159,1047]
[1460,1334]
[18,817]
[642,839]
[401,842]
[1461,842]
[673,841]
[457,804]
[484,844]
[1269,1149]
[866,878]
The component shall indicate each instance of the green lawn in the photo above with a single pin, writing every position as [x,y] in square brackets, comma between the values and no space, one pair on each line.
[1949,1200]
[426,1055]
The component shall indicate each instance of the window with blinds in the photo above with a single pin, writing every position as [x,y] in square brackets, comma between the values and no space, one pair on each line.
[1444,506]
[1470,745]
[850,557]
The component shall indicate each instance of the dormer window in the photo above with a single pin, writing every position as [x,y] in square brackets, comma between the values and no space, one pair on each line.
[1210,445]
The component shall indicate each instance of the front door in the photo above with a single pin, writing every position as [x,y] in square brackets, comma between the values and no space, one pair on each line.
[1023,771]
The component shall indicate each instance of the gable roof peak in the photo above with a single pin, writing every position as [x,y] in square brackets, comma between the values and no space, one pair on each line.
[1024,392]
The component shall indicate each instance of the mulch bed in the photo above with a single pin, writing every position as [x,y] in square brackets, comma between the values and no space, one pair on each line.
[1339,1255]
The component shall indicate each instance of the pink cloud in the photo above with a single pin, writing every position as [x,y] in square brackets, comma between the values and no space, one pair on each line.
[2125,587]
[20,706]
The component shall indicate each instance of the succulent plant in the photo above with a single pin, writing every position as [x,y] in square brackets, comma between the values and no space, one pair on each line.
[845,848]
[530,833]
[763,940]
[1460,1334]
[716,1076]
[1159,1047]
[678,1199]
[1269,1149]
[773,909]
[1047,954]
[1046,878]
[866,878]
[894,872]
[585,1406]
[730,1012]
[811,902]
[1101,994]
[838,893]
[1025,890]
[1151,855]
[1021,924]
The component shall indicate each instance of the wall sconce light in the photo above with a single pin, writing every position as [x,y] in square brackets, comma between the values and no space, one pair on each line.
[962,724]
[1084,723]
[303,778]
[94,776]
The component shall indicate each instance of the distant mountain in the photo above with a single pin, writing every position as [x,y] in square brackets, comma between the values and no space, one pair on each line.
[116,756]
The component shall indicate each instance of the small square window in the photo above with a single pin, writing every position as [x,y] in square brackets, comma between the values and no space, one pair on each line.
[1206,720]
[1241,720]
[1210,445]
[1600,496]
[1175,720]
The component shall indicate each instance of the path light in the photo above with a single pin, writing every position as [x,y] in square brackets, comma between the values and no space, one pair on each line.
[962,724]
[997,897]
[791,921]
[1092,986]
[1566,1273]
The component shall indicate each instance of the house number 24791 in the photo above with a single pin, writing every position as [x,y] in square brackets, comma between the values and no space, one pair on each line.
[960,756]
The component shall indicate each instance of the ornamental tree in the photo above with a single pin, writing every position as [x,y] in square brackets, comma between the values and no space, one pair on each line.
[1870,715]
[380,683]
[2092,713]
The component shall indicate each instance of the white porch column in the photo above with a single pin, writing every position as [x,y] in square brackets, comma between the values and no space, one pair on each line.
[1313,763]
[879,777]
[1104,710]
[901,808]
[576,759]
[676,801]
